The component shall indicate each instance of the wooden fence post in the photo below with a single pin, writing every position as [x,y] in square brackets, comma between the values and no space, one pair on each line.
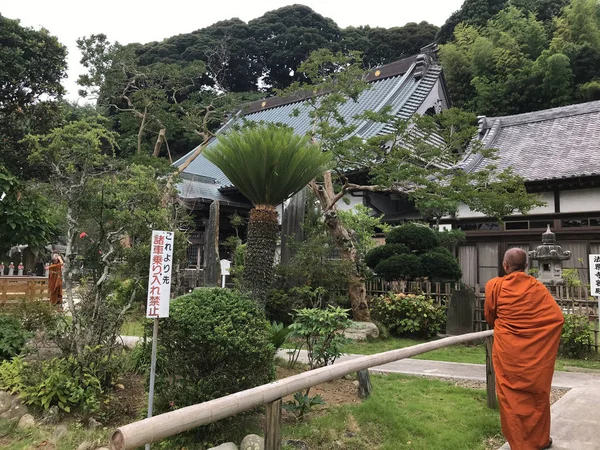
[364,383]
[490,375]
[273,425]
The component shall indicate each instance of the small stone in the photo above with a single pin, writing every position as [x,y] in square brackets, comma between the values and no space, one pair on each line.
[119,387]
[16,411]
[51,416]
[85,445]
[355,383]
[361,331]
[252,442]
[296,443]
[26,421]
[5,401]
[59,432]
[225,446]
[93,424]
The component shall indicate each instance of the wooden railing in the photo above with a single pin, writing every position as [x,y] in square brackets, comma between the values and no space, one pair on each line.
[15,288]
[164,425]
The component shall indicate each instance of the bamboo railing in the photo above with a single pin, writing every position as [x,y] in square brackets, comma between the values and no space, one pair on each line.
[164,425]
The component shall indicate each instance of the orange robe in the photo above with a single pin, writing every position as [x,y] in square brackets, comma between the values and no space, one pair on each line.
[55,283]
[527,326]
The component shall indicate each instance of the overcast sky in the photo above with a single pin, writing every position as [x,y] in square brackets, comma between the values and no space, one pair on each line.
[129,21]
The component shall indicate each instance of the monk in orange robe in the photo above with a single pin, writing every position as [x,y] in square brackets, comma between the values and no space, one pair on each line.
[527,326]
[55,280]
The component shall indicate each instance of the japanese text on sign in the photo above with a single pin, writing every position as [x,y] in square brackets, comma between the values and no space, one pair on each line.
[159,280]
[595,275]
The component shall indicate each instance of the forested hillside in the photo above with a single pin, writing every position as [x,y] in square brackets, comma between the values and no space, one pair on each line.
[531,55]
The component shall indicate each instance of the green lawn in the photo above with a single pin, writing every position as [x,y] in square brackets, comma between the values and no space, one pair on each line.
[474,354]
[405,412]
[13,438]
[133,326]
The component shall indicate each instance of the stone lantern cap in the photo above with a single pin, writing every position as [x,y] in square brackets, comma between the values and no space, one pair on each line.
[549,250]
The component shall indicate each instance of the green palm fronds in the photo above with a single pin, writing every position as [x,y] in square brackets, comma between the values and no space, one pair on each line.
[267,164]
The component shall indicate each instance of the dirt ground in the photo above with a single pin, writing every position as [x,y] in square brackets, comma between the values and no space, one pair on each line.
[334,393]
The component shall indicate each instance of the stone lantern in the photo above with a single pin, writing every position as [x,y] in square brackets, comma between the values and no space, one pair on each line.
[550,256]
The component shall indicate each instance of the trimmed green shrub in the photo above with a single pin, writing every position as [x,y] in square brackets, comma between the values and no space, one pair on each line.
[576,337]
[35,315]
[418,238]
[408,314]
[12,337]
[440,265]
[216,343]
[378,254]
[399,267]
[280,306]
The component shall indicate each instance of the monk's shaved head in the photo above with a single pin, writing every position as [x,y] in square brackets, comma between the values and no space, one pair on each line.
[515,260]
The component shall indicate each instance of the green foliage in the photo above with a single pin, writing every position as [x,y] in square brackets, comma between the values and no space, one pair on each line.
[268,164]
[440,265]
[65,382]
[531,55]
[399,267]
[451,239]
[378,254]
[280,306]
[12,337]
[25,213]
[302,404]
[278,334]
[321,332]
[576,337]
[418,238]
[32,63]
[363,226]
[409,315]
[571,277]
[216,342]
[313,277]
[35,315]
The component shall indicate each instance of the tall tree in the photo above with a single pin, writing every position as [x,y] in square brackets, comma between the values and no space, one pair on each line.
[268,165]
[286,36]
[110,204]
[32,65]
[472,12]
[149,102]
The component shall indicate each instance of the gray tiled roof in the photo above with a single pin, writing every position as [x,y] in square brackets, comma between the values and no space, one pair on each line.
[555,143]
[200,190]
[403,92]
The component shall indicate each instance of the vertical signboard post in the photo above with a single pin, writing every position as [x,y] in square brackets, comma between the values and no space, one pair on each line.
[594,265]
[159,291]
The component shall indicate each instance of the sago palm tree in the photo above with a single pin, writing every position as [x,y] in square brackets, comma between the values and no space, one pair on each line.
[268,165]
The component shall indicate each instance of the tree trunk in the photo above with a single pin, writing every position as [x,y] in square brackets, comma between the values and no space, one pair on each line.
[68,278]
[260,252]
[357,291]
[159,141]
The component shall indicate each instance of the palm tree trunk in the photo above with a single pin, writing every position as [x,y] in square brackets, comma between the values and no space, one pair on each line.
[260,252]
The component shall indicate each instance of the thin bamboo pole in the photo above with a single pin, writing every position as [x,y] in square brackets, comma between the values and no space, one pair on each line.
[164,425]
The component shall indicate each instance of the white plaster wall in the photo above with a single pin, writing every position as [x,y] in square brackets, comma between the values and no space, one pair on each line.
[464,212]
[549,208]
[580,200]
[349,202]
